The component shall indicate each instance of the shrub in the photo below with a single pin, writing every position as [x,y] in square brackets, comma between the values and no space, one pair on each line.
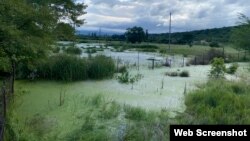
[125,77]
[184,74]
[218,68]
[73,50]
[218,103]
[214,44]
[101,67]
[233,68]
[56,49]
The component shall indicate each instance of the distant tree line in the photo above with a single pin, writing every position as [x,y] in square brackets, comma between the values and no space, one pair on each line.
[215,35]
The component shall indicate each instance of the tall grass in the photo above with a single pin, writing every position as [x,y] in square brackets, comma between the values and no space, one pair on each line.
[146,125]
[72,68]
[73,50]
[219,102]
[64,67]
[101,67]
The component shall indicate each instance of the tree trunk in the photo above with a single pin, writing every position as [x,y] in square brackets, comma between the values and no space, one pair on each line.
[4,100]
[12,77]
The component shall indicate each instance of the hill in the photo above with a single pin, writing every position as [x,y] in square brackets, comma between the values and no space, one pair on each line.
[221,35]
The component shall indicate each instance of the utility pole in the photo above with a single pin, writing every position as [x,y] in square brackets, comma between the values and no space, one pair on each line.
[169,33]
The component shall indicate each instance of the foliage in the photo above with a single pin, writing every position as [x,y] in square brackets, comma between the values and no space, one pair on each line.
[56,49]
[63,67]
[135,34]
[214,44]
[184,74]
[240,34]
[146,125]
[188,38]
[27,28]
[176,73]
[218,68]
[73,50]
[101,67]
[135,113]
[126,78]
[221,35]
[64,32]
[218,102]
[110,110]
[4,65]
[71,68]
[232,69]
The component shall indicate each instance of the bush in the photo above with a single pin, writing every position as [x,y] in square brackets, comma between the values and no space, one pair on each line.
[214,44]
[233,68]
[218,68]
[218,102]
[101,67]
[56,49]
[184,74]
[125,77]
[73,50]
[181,74]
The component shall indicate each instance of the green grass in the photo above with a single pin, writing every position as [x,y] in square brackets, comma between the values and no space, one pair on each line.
[179,49]
[218,102]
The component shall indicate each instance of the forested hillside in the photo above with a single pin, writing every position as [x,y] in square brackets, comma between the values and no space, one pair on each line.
[210,35]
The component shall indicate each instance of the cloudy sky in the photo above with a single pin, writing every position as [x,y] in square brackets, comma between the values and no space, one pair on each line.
[187,15]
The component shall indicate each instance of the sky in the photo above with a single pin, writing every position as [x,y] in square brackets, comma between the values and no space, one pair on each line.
[154,15]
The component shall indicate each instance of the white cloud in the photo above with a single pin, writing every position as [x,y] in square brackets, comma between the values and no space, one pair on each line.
[154,14]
